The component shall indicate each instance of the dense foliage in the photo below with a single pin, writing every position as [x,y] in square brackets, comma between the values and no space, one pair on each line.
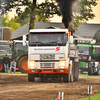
[47,9]
[10,22]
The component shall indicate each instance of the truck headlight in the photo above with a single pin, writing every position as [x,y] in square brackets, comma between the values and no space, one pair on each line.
[62,64]
[32,64]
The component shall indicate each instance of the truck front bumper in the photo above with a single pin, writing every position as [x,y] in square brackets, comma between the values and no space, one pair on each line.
[47,71]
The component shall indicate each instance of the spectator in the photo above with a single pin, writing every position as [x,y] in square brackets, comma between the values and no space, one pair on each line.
[6,63]
[13,66]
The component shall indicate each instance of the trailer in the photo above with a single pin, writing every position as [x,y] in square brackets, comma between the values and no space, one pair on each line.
[48,57]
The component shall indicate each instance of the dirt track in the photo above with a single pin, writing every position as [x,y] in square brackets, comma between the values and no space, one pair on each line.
[16,87]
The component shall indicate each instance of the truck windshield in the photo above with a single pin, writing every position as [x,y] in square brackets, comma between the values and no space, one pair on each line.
[96,49]
[84,50]
[47,39]
[18,49]
[18,46]
[5,49]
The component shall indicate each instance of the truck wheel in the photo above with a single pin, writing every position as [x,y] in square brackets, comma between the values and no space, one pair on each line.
[1,66]
[23,64]
[66,78]
[76,70]
[98,71]
[31,78]
[42,78]
[77,78]
[90,71]
[80,72]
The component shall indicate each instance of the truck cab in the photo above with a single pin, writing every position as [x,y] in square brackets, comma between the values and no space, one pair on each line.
[48,54]
[94,65]
[85,52]
[20,55]
[89,55]
[5,48]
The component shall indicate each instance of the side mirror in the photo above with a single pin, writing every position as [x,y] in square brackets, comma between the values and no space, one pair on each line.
[24,40]
[71,39]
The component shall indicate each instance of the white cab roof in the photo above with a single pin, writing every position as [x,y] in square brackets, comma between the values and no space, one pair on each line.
[49,30]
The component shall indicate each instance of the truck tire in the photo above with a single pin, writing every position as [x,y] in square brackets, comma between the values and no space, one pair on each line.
[42,78]
[31,78]
[90,71]
[77,78]
[76,70]
[23,64]
[98,71]
[1,66]
[66,78]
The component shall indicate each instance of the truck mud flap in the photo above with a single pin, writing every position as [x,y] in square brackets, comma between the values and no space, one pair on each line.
[76,71]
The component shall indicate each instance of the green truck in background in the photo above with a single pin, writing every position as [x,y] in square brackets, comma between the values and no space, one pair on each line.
[19,54]
[84,54]
[13,48]
[5,48]
[89,56]
[15,51]
[94,65]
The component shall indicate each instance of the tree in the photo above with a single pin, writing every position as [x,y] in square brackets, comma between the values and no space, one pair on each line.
[24,17]
[10,22]
[86,11]
[48,9]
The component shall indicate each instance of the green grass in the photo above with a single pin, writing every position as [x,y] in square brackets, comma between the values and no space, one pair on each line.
[12,73]
[86,76]
[95,97]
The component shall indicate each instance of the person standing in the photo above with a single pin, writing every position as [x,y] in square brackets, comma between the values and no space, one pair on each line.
[13,66]
[6,63]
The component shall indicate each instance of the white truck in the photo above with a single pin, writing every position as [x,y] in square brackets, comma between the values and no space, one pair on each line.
[50,54]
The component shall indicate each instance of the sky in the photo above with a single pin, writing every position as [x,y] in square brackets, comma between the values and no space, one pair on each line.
[96,11]
[59,19]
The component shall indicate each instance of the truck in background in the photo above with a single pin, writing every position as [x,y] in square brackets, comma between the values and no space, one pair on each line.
[5,48]
[89,56]
[5,45]
[20,55]
[49,58]
[85,47]
[15,51]
[94,65]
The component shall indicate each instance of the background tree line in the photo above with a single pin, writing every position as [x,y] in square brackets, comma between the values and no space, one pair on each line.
[82,12]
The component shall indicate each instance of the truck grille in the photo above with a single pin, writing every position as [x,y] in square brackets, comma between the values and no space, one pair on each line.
[47,65]
[47,56]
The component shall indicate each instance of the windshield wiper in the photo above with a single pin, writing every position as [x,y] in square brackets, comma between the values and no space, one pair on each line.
[51,42]
[37,43]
